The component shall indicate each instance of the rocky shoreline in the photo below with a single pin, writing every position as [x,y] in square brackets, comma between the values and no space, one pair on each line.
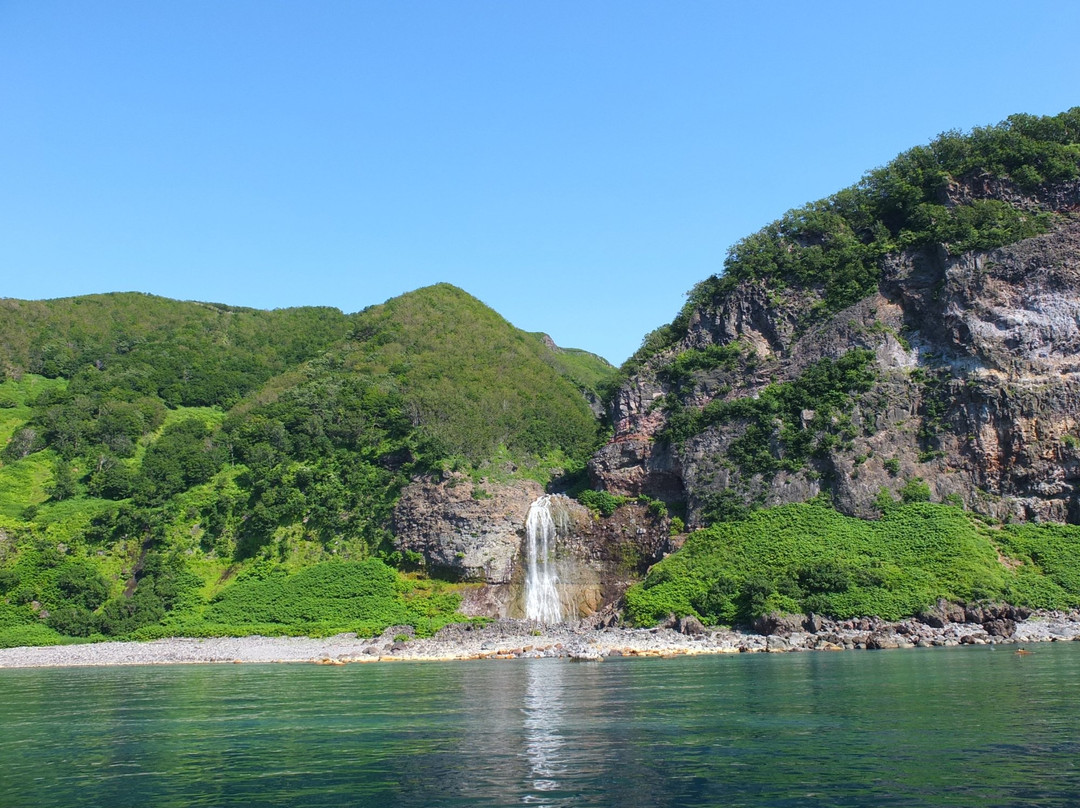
[946,625]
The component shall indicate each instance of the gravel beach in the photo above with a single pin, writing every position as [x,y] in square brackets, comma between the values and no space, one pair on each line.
[515,639]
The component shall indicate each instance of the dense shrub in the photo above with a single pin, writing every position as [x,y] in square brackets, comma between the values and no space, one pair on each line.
[1049,575]
[185,455]
[365,597]
[602,502]
[915,490]
[810,558]
[163,585]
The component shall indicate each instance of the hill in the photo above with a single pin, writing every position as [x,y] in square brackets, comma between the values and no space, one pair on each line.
[919,325]
[158,453]
[875,406]
[911,339]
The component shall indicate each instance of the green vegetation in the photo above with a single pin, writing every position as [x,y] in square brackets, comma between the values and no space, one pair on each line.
[1048,575]
[731,358]
[365,597]
[132,345]
[835,246]
[52,596]
[604,503]
[159,455]
[915,490]
[809,558]
[587,371]
[601,503]
[471,381]
[776,435]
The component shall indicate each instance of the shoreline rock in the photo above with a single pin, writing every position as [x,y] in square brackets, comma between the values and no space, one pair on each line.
[520,639]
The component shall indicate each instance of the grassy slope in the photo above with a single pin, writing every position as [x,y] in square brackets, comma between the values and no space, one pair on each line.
[473,381]
[802,558]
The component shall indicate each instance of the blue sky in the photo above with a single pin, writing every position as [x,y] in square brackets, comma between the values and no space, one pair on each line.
[578,166]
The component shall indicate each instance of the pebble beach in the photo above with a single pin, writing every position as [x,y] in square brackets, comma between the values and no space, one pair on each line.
[517,639]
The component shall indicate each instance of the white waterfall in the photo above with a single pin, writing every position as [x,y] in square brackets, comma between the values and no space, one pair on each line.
[541,596]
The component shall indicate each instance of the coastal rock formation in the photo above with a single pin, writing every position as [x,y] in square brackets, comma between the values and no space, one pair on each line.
[476,532]
[975,397]
[467,531]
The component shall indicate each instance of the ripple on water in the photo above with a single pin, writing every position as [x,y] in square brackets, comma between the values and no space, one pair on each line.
[956,727]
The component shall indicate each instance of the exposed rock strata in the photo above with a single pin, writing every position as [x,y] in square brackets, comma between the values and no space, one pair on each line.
[477,533]
[977,358]
[463,530]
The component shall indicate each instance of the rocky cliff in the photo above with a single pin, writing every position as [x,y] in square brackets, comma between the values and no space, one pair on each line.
[969,388]
[476,532]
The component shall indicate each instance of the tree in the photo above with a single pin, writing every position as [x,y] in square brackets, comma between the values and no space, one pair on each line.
[63,483]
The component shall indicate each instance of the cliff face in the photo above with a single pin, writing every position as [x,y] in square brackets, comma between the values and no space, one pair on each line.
[477,533]
[975,360]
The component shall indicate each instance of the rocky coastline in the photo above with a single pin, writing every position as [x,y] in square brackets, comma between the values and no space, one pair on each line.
[946,625]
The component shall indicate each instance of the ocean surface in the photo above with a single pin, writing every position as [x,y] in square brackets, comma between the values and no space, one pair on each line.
[975,726]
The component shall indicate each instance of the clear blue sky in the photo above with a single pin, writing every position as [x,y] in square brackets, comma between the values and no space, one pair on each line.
[578,166]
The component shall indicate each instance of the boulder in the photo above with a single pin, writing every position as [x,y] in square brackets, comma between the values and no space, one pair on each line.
[813,623]
[776,623]
[690,625]
[881,640]
[941,614]
[1001,627]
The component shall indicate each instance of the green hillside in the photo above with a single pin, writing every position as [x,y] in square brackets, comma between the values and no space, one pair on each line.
[994,186]
[473,382]
[192,354]
[159,454]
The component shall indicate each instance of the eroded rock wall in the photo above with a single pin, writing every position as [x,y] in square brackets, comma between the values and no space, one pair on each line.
[977,391]
[476,533]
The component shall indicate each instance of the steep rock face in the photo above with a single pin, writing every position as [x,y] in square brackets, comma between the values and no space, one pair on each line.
[977,386]
[469,532]
[481,537]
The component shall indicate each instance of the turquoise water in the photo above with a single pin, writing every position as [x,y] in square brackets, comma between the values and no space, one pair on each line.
[941,727]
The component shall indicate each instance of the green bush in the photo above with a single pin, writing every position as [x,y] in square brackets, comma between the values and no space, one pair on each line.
[915,490]
[601,502]
[810,558]
[365,597]
[80,584]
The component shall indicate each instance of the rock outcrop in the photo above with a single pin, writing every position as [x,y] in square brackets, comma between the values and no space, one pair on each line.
[476,532]
[463,530]
[976,392]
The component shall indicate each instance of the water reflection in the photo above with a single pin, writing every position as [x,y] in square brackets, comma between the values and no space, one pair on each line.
[791,731]
[544,740]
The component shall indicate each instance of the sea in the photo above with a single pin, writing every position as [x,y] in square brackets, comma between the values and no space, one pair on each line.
[969,726]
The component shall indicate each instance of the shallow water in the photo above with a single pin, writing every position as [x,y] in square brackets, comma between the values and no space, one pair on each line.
[943,727]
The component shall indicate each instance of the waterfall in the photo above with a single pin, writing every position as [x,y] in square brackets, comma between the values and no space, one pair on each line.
[541,596]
